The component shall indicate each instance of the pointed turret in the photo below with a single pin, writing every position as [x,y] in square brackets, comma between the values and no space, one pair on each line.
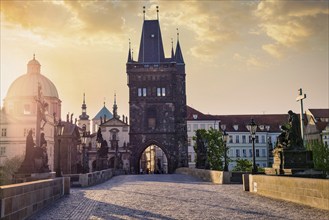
[84,115]
[129,53]
[178,53]
[115,107]
[151,47]
[172,50]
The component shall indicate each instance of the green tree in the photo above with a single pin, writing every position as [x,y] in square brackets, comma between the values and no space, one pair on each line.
[10,166]
[210,149]
[243,165]
[320,156]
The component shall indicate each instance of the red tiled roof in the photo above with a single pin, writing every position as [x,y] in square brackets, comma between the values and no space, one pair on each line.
[191,112]
[269,123]
[320,113]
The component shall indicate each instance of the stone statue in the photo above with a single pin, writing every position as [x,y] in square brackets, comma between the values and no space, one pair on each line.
[290,137]
[28,164]
[29,154]
[295,138]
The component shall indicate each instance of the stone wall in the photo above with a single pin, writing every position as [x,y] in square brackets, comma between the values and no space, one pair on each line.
[308,191]
[19,201]
[89,179]
[214,176]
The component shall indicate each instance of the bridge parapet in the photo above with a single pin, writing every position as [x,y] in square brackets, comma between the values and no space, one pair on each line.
[93,178]
[214,176]
[307,191]
[19,201]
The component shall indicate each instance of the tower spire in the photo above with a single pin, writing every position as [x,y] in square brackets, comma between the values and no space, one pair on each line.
[115,107]
[129,52]
[84,115]
[178,53]
[172,49]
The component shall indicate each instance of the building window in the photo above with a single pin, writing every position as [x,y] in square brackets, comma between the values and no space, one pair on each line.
[257,139]
[4,132]
[195,127]
[244,139]
[250,139]
[161,91]
[142,92]
[250,152]
[257,152]
[203,126]
[263,139]
[237,153]
[237,139]
[263,153]
[244,152]
[2,151]
[27,109]
[188,127]
[230,139]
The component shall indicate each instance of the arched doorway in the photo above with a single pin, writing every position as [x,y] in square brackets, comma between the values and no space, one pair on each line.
[153,160]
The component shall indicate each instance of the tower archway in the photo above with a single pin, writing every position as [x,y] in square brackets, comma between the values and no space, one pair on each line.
[153,160]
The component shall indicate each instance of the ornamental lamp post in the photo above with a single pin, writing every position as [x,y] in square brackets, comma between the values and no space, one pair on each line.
[85,159]
[59,133]
[252,127]
[225,136]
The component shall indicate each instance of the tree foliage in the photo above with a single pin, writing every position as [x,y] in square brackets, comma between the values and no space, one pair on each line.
[210,149]
[8,169]
[243,165]
[320,156]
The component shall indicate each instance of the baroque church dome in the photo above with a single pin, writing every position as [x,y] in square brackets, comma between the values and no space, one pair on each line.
[27,84]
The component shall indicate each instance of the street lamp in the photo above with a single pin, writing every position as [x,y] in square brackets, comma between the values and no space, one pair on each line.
[85,136]
[252,127]
[59,133]
[225,135]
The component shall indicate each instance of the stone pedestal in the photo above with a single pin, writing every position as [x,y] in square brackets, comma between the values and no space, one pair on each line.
[290,162]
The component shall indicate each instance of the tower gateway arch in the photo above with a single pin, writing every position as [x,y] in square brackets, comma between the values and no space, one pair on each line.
[157,99]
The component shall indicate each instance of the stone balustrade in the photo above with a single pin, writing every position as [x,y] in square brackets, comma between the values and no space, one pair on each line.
[214,176]
[19,201]
[307,191]
[90,179]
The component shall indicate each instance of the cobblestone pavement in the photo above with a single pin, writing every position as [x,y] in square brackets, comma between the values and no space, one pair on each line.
[171,197]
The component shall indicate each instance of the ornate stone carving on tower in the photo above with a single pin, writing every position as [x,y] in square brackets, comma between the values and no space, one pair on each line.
[157,99]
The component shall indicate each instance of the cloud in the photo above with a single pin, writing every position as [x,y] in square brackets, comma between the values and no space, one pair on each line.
[213,25]
[84,21]
[293,24]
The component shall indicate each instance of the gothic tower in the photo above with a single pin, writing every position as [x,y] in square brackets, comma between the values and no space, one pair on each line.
[84,121]
[157,99]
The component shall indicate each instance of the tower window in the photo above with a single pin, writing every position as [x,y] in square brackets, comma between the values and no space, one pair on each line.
[4,132]
[142,92]
[27,109]
[161,91]
[151,118]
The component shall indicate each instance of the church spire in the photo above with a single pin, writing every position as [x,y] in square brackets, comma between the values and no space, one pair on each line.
[84,115]
[178,53]
[115,107]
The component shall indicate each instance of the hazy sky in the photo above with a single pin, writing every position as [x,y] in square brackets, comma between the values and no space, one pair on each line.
[242,57]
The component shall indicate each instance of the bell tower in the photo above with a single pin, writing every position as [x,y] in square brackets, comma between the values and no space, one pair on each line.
[84,121]
[157,99]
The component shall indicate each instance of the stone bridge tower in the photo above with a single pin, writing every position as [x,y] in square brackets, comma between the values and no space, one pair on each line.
[157,99]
